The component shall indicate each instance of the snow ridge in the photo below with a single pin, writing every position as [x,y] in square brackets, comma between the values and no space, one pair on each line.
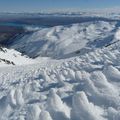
[66,41]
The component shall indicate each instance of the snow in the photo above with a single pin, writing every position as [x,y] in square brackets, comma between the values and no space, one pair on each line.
[12,57]
[33,112]
[44,115]
[112,73]
[83,109]
[79,87]
[71,90]
[117,35]
[64,40]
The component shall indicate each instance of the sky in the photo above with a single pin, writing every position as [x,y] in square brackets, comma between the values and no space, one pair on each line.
[38,5]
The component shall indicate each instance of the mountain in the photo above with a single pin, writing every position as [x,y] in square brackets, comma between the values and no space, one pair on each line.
[72,73]
[85,86]
[62,41]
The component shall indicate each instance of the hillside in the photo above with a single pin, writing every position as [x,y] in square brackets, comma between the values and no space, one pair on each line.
[60,41]
[10,57]
[72,73]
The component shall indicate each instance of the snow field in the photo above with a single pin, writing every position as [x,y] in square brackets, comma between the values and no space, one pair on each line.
[81,88]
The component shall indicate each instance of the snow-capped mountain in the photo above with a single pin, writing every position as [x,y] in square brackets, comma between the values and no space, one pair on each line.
[62,41]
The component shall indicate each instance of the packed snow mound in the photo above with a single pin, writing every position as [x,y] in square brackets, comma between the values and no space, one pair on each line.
[61,41]
[88,111]
[117,35]
[10,57]
[84,87]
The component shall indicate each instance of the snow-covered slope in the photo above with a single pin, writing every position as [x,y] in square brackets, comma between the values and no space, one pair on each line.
[60,41]
[80,88]
[83,85]
[10,57]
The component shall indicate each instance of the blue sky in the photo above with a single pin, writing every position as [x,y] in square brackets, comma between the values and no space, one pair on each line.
[37,5]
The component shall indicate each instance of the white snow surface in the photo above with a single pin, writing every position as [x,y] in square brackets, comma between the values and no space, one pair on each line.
[61,41]
[80,87]
[84,87]
[10,57]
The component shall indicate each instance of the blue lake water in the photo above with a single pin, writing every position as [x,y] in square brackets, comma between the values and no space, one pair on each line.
[12,24]
[50,21]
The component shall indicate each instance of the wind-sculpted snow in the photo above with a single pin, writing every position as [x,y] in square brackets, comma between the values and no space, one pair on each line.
[65,41]
[84,87]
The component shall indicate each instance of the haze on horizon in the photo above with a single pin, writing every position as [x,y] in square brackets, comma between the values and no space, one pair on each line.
[38,5]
